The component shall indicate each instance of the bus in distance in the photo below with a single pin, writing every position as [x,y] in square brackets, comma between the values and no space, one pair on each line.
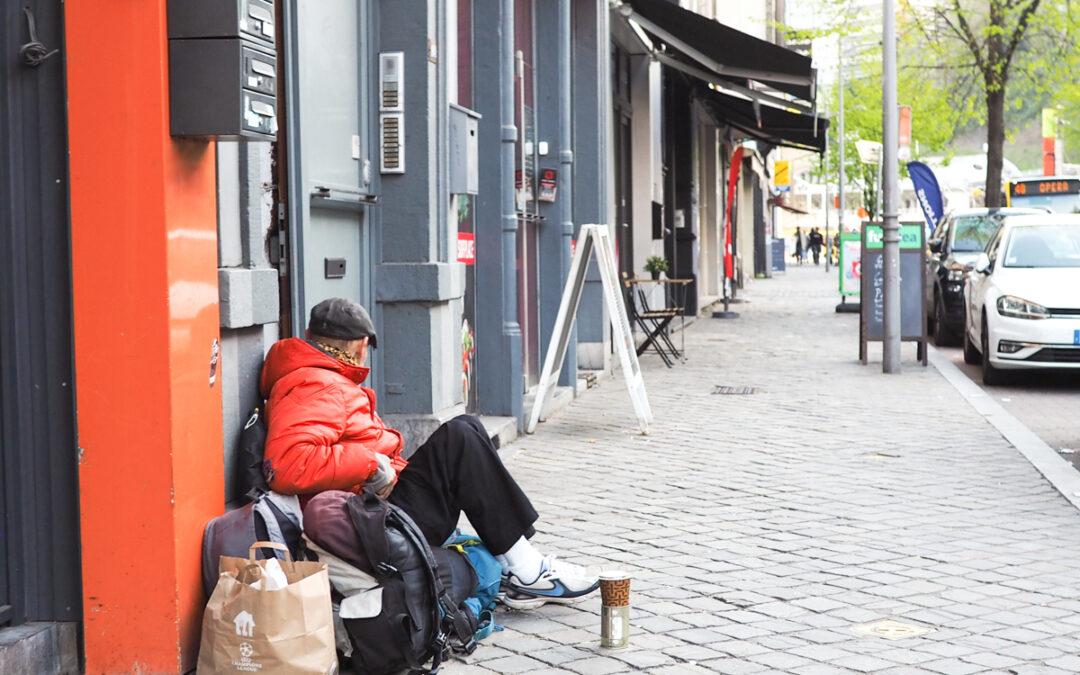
[1057,193]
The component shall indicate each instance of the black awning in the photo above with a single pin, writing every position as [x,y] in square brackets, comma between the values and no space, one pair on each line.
[766,123]
[728,52]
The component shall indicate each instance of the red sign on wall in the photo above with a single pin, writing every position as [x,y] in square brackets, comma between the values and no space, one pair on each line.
[548,178]
[466,248]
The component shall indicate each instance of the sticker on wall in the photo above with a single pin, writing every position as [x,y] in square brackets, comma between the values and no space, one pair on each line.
[215,353]
[548,182]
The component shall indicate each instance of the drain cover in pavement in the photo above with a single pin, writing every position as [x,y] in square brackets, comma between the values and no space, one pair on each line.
[733,391]
[891,629]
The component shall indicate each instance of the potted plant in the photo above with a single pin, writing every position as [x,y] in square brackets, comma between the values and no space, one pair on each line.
[655,264]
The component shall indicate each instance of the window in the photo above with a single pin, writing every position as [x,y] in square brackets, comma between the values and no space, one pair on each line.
[970,233]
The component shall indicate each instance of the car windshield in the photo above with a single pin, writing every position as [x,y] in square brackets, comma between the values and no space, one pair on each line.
[1044,246]
[970,233]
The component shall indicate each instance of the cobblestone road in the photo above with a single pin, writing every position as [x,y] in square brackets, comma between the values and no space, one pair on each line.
[762,529]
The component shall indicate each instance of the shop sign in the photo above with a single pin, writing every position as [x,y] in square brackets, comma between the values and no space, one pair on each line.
[782,175]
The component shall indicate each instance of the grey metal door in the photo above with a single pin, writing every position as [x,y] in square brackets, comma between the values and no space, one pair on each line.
[39,519]
[328,149]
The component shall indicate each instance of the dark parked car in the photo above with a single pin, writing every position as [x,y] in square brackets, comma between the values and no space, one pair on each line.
[954,246]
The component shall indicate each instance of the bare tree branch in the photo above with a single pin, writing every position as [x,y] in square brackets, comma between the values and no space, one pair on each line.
[963,31]
[1021,25]
[942,66]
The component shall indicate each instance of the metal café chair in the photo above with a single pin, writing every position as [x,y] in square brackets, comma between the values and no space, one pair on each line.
[654,322]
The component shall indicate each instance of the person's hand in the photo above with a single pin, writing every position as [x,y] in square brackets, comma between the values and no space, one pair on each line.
[382,481]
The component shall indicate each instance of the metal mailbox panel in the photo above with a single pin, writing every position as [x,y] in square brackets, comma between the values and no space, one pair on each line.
[251,19]
[464,168]
[260,72]
[260,113]
[223,88]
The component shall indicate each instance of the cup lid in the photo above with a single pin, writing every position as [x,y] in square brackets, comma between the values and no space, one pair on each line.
[614,575]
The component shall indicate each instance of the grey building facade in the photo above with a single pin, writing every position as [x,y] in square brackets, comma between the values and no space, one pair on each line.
[362,196]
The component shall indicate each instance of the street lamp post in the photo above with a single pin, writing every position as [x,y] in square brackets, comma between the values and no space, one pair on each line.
[825,204]
[890,183]
[840,134]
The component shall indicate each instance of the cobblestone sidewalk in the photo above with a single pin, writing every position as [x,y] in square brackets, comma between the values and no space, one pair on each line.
[762,529]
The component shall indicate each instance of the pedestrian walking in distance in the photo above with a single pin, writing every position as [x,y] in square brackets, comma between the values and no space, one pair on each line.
[798,245]
[816,241]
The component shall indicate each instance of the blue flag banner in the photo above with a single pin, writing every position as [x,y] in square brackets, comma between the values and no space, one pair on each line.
[928,192]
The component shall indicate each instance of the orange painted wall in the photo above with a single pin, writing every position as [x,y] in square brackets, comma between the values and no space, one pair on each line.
[144,273]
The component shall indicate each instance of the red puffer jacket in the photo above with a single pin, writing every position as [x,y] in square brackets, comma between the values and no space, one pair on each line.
[323,430]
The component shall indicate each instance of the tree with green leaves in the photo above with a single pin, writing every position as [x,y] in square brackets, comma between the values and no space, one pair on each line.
[992,34]
[935,117]
[964,62]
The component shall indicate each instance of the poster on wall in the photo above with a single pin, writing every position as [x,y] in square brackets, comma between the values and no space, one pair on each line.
[466,248]
[850,264]
[466,253]
[466,237]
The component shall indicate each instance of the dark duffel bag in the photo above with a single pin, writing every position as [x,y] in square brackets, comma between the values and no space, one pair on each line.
[271,517]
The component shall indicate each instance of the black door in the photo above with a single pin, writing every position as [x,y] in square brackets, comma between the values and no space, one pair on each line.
[39,523]
[759,229]
[624,205]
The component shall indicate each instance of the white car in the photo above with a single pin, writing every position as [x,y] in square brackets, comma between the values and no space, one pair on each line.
[1022,299]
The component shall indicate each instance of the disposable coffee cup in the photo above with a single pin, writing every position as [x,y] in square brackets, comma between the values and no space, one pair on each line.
[615,609]
[615,589]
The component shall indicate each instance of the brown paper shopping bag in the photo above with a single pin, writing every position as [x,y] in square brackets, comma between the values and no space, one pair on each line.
[249,629]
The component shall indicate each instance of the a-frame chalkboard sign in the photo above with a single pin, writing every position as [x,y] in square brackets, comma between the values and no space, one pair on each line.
[593,238]
[912,287]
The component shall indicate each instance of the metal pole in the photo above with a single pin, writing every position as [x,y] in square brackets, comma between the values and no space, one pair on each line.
[825,203]
[840,138]
[566,172]
[508,136]
[890,183]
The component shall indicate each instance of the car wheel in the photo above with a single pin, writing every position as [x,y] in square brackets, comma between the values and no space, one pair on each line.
[971,354]
[990,374]
[943,337]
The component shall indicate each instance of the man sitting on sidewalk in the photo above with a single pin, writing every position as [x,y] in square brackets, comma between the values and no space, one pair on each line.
[324,434]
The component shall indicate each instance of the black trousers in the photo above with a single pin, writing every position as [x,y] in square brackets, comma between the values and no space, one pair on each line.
[458,470]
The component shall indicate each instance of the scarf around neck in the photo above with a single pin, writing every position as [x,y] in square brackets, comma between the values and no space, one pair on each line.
[339,354]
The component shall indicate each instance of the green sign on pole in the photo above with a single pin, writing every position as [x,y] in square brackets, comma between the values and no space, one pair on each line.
[910,236]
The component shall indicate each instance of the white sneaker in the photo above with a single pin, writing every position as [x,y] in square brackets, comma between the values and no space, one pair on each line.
[559,582]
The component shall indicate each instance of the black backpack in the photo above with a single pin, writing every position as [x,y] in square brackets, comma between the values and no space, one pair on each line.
[423,615]
[251,482]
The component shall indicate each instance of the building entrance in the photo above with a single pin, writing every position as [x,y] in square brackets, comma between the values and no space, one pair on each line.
[525,176]
[330,166]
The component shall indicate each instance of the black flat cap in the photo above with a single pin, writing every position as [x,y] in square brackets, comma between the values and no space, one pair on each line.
[342,319]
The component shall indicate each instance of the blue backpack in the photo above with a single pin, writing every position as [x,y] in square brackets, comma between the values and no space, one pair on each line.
[489,578]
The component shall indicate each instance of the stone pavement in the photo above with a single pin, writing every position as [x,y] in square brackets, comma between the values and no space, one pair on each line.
[761,529]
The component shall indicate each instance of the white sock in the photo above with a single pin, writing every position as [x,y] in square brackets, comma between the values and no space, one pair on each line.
[523,561]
